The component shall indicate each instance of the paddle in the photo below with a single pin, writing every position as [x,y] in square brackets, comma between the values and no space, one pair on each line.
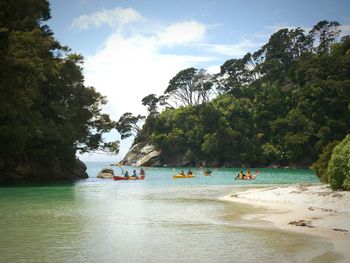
[119,165]
[254,175]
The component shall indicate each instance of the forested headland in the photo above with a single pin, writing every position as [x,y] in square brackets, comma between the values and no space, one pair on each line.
[47,114]
[285,104]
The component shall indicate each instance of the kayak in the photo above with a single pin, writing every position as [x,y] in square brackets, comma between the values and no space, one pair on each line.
[183,176]
[253,177]
[118,178]
[206,174]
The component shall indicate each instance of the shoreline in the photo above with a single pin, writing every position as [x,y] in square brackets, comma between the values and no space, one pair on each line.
[313,210]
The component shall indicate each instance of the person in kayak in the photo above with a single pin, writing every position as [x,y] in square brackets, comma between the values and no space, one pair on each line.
[134,174]
[126,174]
[142,172]
[182,172]
[240,176]
[248,175]
[189,172]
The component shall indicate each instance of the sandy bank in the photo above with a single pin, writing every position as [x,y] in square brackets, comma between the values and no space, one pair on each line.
[315,210]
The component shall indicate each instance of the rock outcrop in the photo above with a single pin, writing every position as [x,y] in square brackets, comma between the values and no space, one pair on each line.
[106,173]
[79,170]
[142,155]
[27,171]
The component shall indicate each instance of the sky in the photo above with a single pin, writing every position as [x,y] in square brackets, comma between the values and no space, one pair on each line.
[132,48]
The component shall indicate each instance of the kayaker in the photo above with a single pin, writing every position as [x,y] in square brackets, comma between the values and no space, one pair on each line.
[241,175]
[126,174]
[134,174]
[208,172]
[248,175]
[189,172]
[182,172]
[142,172]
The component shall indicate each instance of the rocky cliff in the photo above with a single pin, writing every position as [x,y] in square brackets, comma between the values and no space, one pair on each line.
[142,154]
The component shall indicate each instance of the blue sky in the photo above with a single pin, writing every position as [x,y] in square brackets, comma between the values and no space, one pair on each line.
[133,48]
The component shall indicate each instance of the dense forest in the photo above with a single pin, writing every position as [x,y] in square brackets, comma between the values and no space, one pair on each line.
[286,104]
[46,112]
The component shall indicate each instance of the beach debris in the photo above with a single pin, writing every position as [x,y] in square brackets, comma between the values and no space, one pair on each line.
[325,210]
[324,193]
[303,223]
[340,230]
[304,187]
[295,192]
[329,210]
[338,195]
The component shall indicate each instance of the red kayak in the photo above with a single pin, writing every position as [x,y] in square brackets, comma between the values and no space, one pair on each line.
[117,178]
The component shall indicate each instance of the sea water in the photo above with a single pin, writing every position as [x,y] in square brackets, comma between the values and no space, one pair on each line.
[159,219]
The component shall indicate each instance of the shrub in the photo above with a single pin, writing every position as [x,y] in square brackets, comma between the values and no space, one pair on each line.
[339,166]
[320,166]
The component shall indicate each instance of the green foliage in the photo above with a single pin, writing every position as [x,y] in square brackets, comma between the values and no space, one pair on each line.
[326,33]
[189,87]
[151,102]
[46,112]
[282,104]
[128,125]
[339,166]
[321,165]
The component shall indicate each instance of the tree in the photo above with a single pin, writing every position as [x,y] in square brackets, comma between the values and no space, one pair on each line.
[128,125]
[325,33]
[151,102]
[237,74]
[189,87]
[283,104]
[47,114]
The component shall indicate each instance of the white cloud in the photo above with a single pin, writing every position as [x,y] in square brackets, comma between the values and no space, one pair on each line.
[234,50]
[129,68]
[214,69]
[132,66]
[113,18]
[345,30]
[275,28]
[182,33]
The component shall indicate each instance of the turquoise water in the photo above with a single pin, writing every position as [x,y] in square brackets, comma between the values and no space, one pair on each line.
[158,219]
[222,176]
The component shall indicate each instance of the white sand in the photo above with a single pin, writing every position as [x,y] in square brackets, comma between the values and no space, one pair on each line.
[315,210]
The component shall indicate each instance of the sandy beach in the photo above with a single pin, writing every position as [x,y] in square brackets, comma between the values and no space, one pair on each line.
[314,210]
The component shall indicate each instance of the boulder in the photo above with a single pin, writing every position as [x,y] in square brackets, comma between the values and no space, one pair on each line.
[79,170]
[142,154]
[106,173]
[149,159]
[147,149]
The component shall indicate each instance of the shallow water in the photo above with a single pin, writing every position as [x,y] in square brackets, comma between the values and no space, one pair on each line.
[158,219]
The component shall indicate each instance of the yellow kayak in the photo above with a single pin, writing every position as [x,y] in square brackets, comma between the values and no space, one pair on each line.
[183,176]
